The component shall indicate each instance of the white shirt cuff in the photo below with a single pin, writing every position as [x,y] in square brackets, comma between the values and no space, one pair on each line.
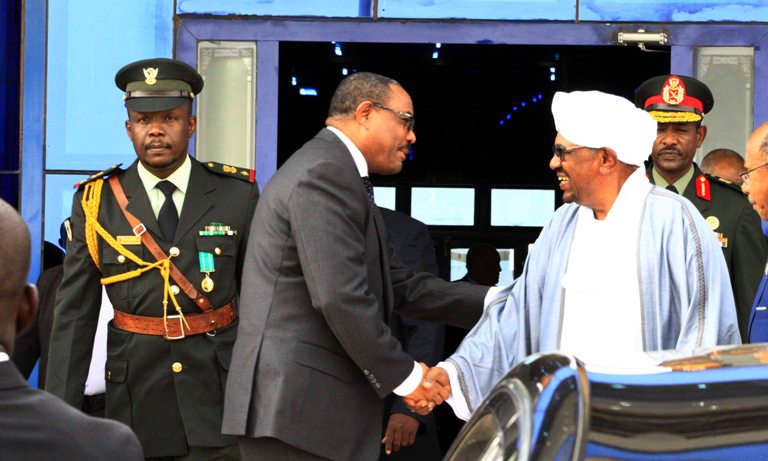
[411,382]
[456,400]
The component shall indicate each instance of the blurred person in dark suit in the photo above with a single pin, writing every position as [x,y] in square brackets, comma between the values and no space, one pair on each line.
[408,435]
[35,425]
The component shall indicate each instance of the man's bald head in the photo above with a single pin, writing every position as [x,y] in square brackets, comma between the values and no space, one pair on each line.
[724,163]
[18,301]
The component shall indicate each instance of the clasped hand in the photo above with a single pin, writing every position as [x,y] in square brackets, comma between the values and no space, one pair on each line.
[434,389]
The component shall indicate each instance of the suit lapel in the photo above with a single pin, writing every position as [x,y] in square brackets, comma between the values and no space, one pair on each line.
[196,201]
[138,201]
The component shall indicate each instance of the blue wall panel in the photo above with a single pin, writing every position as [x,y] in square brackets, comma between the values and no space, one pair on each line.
[59,190]
[561,10]
[673,11]
[87,44]
[33,114]
[328,8]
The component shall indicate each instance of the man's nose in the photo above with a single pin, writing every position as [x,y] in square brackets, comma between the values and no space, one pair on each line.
[411,138]
[554,162]
[156,127]
[667,137]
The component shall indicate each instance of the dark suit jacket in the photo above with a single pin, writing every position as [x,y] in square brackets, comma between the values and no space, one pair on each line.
[315,357]
[32,343]
[746,251]
[168,410]
[36,426]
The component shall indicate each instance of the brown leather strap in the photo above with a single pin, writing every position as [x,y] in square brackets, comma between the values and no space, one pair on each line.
[174,326]
[139,229]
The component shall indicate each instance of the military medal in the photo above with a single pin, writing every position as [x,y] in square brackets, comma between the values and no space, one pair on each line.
[206,267]
[207,283]
[206,257]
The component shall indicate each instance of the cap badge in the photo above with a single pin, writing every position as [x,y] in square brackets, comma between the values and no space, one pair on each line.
[151,73]
[673,91]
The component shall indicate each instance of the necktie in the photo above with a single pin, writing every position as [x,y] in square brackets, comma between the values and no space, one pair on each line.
[168,217]
[671,188]
[368,188]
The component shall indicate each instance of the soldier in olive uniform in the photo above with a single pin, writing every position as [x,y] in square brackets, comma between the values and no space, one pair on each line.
[678,103]
[166,237]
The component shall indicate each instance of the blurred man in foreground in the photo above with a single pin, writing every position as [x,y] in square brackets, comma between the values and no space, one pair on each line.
[34,424]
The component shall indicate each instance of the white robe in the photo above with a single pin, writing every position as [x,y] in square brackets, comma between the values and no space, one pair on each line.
[685,295]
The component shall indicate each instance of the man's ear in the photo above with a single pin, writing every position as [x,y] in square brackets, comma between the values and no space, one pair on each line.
[608,157]
[701,133]
[191,125]
[27,309]
[363,111]
[128,129]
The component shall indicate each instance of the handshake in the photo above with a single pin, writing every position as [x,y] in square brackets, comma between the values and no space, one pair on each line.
[434,389]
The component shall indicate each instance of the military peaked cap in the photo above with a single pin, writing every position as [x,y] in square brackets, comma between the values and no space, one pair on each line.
[152,85]
[674,98]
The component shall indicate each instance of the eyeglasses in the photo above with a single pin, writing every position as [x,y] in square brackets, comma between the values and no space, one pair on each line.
[745,175]
[560,150]
[407,117]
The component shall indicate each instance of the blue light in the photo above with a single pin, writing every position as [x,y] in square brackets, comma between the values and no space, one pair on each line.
[337,49]
[501,122]
[509,116]
[308,91]
[522,104]
[534,99]
[410,153]
[551,70]
[514,108]
[552,78]
[438,45]
[435,54]
[344,71]
[293,81]
[540,97]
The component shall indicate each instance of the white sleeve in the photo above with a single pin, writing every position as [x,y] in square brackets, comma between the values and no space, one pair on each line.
[456,400]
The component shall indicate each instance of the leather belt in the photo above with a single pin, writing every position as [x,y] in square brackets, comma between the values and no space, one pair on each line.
[174,328]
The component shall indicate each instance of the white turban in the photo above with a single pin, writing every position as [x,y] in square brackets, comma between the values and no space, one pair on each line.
[595,119]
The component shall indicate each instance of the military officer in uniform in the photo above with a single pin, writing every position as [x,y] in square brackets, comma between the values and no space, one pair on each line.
[166,237]
[678,103]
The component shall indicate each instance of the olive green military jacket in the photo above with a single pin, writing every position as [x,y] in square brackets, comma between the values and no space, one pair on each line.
[169,391]
[737,227]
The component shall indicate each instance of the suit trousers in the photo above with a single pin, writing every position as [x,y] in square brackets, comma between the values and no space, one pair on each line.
[271,449]
[230,453]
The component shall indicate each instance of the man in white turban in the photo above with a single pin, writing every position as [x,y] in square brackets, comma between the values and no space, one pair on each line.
[623,267]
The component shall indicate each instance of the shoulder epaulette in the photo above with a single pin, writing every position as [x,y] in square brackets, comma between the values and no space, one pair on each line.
[228,170]
[724,182]
[99,175]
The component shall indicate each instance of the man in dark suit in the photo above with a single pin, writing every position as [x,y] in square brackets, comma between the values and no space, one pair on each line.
[32,343]
[33,424]
[678,103]
[314,357]
[166,237]
[407,435]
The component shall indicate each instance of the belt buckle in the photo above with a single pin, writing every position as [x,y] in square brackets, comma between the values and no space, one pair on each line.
[181,328]
[139,229]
